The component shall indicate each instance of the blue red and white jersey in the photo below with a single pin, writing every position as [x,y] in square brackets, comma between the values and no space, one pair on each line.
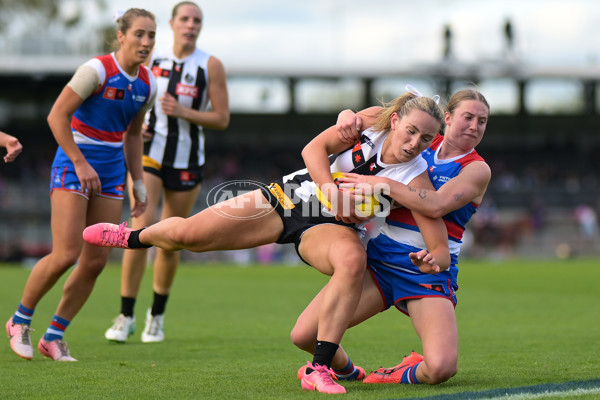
[400,225]
[103,117]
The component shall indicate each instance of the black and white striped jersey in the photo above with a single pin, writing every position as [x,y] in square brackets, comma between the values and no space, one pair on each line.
[365,159]
[178,143]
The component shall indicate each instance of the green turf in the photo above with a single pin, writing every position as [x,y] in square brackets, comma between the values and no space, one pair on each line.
[521,323]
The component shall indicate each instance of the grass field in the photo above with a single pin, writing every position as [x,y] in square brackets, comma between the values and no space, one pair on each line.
[522,323]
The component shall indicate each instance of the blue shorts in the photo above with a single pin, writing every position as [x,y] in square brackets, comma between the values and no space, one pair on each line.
[109,163]
[397,286]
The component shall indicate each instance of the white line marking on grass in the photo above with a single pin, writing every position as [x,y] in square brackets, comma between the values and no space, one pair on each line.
[546,390]
[528,396]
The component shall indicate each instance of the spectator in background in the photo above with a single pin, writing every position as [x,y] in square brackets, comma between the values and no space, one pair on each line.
[96,120]
[486,228]
[188,79]
[587,219]
[12,145]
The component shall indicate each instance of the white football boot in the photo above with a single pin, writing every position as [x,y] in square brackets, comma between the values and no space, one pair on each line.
[122,328]
[153,330]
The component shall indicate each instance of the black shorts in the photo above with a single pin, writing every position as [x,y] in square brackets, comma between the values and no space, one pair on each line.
[297,215]
[180,180]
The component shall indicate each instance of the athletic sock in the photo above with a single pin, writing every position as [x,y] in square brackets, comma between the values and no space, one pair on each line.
[127,305]
[23,315]
[349,372]
[410,375]
[324,352]
[57,328]
[133,242]
[159,304]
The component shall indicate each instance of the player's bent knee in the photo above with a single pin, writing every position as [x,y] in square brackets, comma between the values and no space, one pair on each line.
[95,266]
[353,263]
[301,339]
[441,372]
[65,261]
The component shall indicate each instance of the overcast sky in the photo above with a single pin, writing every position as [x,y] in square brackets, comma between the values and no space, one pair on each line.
[382,34]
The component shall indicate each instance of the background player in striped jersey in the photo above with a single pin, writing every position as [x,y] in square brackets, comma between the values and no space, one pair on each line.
[12,145]
[288,211]
[188,79]
[97,122]
[460,177]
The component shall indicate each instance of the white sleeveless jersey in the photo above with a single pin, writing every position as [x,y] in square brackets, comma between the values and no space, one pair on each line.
[178,143]
[365,159]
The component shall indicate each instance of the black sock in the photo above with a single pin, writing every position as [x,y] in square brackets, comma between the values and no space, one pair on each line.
[133,242]
[159,304]
[324,352]
[127,304]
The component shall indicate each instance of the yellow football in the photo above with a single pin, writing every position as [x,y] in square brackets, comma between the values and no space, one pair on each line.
[369,206]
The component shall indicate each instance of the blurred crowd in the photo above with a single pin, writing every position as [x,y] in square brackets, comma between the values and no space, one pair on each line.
[537,198]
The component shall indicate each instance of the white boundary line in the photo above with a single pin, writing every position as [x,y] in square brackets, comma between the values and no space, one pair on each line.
[545,394]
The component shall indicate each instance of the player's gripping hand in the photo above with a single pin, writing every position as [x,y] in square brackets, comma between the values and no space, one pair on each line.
[425,262]
[349,126]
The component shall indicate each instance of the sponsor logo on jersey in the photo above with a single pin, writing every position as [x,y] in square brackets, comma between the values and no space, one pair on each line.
[160,73]
[440,178]
[112,93]
[186,90]
[357,155]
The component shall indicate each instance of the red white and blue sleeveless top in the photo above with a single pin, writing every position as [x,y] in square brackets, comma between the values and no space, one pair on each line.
[103,117]
[400,225]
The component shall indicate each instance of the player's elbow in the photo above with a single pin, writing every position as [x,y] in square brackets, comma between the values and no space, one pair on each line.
[436,209]
[51,117]
[305,151]
[223,122]
[53,120]
[432,211]
[445,262]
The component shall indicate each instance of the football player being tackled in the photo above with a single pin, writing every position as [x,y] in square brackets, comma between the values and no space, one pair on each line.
[288,211]
[460,178]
